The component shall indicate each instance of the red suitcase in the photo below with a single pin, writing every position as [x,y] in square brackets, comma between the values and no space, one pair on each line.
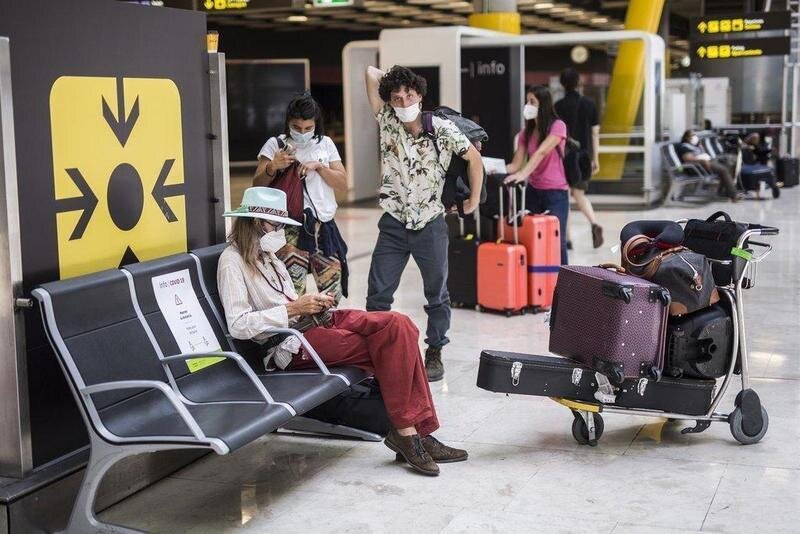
[502,273]
[541,237]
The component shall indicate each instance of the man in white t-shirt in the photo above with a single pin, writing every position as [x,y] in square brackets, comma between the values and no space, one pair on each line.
[316,247]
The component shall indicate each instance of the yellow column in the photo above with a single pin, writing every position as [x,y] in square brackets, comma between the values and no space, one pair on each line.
[627,82]
[508,22]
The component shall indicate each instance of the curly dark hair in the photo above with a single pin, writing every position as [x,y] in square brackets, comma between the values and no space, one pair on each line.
[304,107]
[398,77]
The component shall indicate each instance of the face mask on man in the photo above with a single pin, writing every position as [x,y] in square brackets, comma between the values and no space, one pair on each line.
[272,241]
[694,140]
[408,114]
[301,139]
[530,112]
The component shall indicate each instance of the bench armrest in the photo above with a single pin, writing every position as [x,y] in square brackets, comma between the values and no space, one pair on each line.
[155,384]
[699,170]
[306,345]
[241,362]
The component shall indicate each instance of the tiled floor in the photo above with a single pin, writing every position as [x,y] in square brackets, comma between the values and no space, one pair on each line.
[525,473]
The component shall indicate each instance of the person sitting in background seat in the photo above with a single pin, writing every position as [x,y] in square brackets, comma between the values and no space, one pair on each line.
[753,170]
[690,151]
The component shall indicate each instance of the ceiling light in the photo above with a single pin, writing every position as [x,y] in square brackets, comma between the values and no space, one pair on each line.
[297,18]
[555,10]
[544,5]
[599,20]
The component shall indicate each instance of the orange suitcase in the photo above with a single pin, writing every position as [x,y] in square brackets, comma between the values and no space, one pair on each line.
[540,235]
[502,274]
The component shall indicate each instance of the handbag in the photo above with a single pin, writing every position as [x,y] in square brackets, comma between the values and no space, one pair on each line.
[717,239]
[686,274]
[571,159]
[290,182]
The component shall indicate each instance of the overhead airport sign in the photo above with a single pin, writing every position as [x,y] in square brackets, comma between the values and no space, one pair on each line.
[740,48]
[232,6]
[748,22]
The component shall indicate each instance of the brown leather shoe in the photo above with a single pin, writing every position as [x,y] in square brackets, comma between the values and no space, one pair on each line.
[410,449]
[441,453]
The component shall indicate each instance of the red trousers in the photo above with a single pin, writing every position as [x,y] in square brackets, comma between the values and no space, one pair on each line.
[385,344]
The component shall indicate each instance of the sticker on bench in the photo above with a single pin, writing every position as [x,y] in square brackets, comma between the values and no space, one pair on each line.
[186,320]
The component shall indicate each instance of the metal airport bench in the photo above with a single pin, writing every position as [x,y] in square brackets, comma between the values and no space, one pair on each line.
[686,179]
[133,385]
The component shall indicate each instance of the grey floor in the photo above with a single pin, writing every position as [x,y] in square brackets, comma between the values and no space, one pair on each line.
[525,473]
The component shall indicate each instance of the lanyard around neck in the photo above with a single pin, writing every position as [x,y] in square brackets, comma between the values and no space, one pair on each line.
[279,288]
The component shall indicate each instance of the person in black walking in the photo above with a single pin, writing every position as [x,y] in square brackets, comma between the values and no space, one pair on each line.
[580,115]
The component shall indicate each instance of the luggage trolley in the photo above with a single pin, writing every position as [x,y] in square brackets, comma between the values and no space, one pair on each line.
[749,419]
[675,399]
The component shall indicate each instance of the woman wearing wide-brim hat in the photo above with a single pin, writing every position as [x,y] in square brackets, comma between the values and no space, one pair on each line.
[257,294]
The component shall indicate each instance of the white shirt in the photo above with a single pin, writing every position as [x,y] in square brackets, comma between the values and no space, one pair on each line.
[252,305]
[321,193]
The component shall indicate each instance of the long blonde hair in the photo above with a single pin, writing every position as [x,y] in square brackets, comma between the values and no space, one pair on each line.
[245,236]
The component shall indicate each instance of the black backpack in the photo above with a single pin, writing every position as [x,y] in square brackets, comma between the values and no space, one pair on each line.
[456,179]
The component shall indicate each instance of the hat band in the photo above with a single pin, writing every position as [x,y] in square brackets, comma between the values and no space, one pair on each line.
[267,211]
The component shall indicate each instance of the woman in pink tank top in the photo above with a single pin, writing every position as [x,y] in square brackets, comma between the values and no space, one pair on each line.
[543,140]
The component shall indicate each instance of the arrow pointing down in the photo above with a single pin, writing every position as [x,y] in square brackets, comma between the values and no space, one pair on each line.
[86,202]
[161,192]
[121,126]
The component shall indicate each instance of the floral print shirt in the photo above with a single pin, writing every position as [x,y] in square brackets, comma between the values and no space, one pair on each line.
[413,175]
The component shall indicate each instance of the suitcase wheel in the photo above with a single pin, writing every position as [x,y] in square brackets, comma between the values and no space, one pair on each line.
[580,431]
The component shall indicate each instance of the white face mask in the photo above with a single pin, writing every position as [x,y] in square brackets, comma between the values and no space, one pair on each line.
[301,139]
[408,114]
[694,140]
[273,241]
[530,112]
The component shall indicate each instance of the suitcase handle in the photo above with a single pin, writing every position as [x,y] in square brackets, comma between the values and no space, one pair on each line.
[613,267]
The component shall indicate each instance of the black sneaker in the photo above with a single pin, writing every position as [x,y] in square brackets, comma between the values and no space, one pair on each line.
[597,236]
[433,364]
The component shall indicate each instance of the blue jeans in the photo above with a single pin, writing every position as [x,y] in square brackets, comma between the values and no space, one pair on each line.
[556,201]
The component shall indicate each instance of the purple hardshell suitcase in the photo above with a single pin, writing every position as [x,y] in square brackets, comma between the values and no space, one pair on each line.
[614,323]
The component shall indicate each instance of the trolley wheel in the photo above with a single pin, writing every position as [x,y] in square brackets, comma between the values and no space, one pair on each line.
[523,311]
[509,313]
[581,432]
[479,308]
[747,436]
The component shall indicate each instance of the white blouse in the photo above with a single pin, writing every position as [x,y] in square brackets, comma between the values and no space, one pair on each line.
[252,305]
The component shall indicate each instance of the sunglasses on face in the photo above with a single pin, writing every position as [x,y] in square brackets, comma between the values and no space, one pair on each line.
[269,226]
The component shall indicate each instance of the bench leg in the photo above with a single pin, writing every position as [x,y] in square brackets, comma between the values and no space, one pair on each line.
[306,424]
[101,458]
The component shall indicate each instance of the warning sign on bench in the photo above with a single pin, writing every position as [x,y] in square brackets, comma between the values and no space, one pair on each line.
[186,320]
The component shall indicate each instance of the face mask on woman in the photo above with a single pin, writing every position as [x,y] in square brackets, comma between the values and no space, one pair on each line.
[408,114]
[301,139]
[272,241]
[694,140]
[530,112]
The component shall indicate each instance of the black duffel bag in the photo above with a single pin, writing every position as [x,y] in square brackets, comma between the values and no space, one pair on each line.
[361,406]
[717,239]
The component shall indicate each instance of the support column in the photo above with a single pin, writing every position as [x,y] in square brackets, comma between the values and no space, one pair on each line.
[497,15]
[627,82]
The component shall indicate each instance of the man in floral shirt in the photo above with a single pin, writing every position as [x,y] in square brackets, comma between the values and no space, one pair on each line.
[410,194]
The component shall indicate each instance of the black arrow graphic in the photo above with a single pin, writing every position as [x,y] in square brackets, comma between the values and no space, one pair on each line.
[86,202]
[161,191]
[121,126]
[128,258]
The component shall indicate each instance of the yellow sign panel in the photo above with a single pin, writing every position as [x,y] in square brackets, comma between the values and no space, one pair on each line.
[222,5]
[118,171]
